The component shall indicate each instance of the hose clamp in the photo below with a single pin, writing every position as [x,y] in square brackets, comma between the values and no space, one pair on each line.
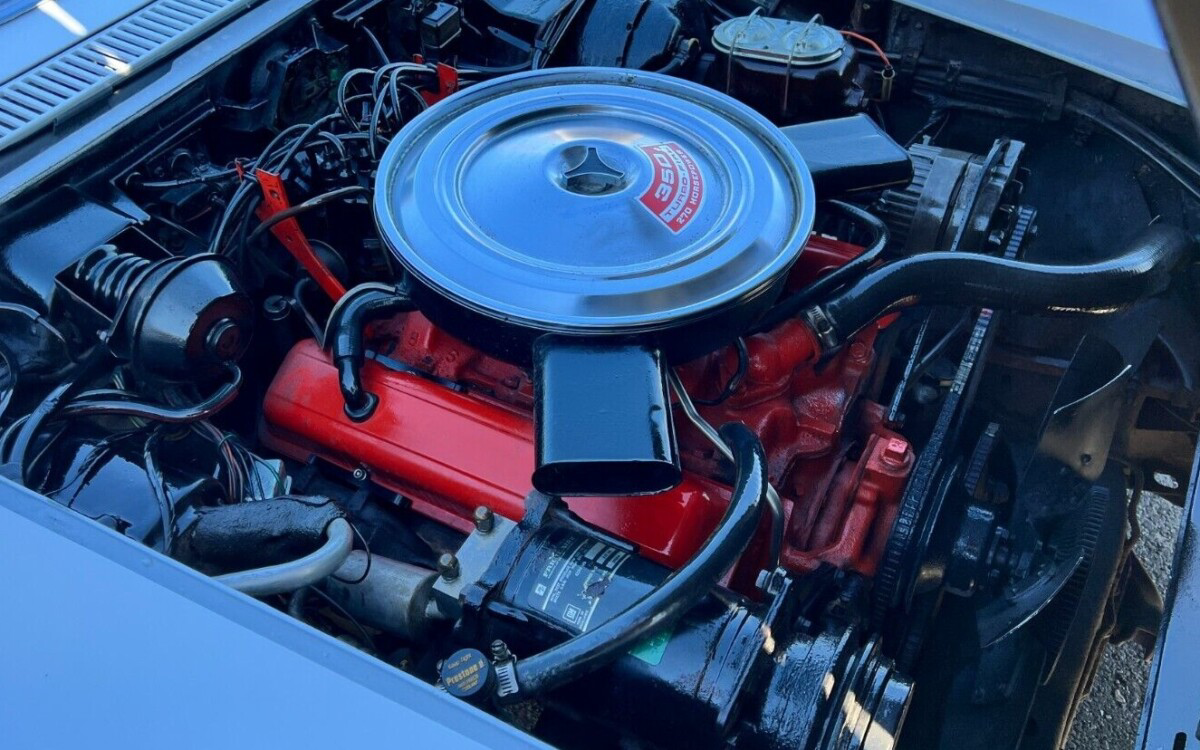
[822,326]
[506,678]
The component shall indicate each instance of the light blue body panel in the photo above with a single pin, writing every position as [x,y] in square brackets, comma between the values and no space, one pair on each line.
[106,643]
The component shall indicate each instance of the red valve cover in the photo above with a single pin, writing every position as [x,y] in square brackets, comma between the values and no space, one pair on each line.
[460,435]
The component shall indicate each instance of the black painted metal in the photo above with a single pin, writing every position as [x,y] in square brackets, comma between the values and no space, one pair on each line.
[635,641]
[832,692]
[104,477]
[678,593]
[955,198]
[850,154]
[176,318]
[656,692]
[764,685]
[637,33]
[603,420]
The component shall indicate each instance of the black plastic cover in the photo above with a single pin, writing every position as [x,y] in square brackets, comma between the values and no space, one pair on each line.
[850,154]
[637,33]
[440,25]
[603,420]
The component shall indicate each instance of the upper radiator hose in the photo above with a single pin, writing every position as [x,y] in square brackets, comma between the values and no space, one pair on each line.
[951,278]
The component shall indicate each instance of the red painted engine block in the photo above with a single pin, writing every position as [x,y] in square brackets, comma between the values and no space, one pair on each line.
[464,437]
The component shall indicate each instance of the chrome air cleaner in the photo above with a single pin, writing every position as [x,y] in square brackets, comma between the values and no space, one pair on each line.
[615,218]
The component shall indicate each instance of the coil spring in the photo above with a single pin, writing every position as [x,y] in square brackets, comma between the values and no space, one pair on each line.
[106,276]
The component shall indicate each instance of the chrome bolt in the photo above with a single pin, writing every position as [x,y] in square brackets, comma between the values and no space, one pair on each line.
[500,651]
[485,519]
[447,566]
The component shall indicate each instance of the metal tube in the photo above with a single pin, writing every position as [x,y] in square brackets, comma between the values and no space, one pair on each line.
[305,571]
[774,504]
[387,594]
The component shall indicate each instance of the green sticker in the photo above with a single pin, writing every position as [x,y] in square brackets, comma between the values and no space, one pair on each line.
[651,649]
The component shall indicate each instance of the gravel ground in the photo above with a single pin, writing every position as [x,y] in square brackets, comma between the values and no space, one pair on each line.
[1108,719]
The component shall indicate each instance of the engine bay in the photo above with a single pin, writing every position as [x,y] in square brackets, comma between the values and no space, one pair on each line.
[647,374]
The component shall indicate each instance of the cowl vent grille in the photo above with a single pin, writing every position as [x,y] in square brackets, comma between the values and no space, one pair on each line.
[94,66]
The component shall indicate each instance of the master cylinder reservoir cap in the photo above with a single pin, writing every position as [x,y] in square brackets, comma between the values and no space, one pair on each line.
[795,43]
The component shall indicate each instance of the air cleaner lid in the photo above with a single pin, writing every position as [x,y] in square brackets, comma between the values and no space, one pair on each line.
[593,200]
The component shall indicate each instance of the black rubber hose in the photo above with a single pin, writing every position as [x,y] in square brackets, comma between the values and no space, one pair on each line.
[54,400]
[949,278]
[344,339]
[673,66]
[678,593]
[109,402]
[682,56]
[296,603]
[791,305]
[315,202]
